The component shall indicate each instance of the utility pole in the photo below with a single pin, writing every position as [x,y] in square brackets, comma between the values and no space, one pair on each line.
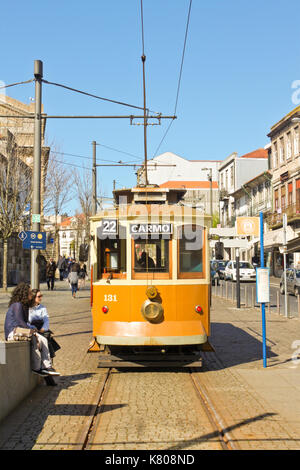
[284,266]
[209,176]
[211,194]
[238,290]
[94,202]
[36,189]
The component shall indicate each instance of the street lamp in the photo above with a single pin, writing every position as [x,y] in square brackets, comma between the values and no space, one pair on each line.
[209,176]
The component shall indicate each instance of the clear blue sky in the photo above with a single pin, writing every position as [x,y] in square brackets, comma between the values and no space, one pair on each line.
[241,59]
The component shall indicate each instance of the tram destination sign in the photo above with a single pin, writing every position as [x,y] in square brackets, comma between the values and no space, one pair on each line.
[155,229]
[108,227]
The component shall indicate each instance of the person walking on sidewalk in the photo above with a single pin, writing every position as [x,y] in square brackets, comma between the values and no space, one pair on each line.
[17,317]
[73,280]
[50,273]
[61,264]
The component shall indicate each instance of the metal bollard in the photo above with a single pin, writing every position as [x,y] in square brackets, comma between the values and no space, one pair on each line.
[298,299]
[226,290]
[278,302]
[232,295]
[252,297]
[246,296]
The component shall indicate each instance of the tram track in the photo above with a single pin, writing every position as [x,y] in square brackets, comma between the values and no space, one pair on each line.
[89,435]
[86,433]
[226,440]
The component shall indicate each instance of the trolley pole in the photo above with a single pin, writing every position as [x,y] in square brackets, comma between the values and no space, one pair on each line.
[94,202]
[36,192]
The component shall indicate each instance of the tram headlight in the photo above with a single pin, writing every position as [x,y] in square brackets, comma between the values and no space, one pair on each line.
[105,309]
[199,309]
[153,312]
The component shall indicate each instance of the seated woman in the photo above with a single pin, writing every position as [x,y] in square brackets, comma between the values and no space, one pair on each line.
[17,316]
[39,318]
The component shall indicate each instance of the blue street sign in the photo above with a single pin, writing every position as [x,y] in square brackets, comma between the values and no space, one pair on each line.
[22,235]
[35,241]
[51,240]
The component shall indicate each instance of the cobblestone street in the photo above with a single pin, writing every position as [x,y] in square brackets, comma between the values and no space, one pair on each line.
[160,410]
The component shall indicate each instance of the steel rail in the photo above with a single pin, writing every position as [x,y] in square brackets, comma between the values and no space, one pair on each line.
[84,434]
[226,440]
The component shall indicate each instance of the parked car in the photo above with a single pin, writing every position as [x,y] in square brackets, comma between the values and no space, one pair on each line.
[247,271]
[221,268]
[292,281]
[214,276]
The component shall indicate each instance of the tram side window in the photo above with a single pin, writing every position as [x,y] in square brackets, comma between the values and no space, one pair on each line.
[111,255]
[151,256]
[190,251]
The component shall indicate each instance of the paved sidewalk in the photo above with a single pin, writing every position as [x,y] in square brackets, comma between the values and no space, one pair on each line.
[51,416]
[261,406]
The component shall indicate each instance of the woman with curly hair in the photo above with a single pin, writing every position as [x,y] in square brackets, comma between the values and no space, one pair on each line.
[17,316]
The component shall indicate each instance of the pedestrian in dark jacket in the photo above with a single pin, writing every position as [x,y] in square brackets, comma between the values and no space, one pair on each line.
[50,274]
[61,264]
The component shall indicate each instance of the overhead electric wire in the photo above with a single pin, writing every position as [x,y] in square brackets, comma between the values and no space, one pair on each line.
[19,83]
[87,158]
[95,96]
[120,151]
[71,164]
[179,79]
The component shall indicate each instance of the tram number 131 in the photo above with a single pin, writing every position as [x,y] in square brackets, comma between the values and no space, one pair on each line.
[110,298]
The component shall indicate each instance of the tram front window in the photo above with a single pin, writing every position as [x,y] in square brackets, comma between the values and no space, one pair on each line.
[111,255]
[151,256]
[190,246]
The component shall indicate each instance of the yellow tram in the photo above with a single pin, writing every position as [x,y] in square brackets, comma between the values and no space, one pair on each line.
[150,286]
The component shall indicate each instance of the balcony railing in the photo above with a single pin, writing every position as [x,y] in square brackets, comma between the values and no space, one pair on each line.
[292,211]
[223,194]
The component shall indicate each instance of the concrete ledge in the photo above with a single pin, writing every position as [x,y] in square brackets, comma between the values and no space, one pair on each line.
[16,378]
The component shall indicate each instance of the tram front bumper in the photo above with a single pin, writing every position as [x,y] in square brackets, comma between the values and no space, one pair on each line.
[146,334]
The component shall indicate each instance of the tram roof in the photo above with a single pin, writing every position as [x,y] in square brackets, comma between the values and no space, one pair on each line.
[131,211]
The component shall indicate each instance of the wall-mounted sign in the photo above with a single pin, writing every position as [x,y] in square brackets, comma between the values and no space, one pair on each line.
[247,226]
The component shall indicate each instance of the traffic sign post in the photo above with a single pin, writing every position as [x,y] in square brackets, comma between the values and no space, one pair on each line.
[33,240]
[263,306]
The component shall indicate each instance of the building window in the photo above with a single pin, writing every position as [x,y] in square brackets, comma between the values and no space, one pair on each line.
[276,199]
[296,141]
[290,189]
[231,177]
[298,195]
[281,151]
[283,200]
[288,146]
[275,156]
